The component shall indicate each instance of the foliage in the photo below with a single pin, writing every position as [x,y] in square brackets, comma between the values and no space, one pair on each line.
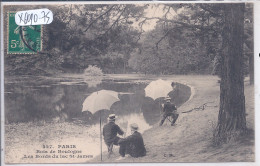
[187,39]
[93,71]
[179,53]
[78,36]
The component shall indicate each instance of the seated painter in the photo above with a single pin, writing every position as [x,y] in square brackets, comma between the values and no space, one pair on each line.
[110,131]
[133,144]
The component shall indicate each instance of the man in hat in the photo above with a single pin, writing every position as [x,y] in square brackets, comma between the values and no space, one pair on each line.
[110,132]
[169,109]
[133,144]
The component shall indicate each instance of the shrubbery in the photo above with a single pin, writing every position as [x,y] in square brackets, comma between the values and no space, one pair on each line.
[93,71]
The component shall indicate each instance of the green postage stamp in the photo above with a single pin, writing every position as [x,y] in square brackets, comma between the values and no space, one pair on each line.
[23,39]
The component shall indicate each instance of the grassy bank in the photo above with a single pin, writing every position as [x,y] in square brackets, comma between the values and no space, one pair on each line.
[191,139]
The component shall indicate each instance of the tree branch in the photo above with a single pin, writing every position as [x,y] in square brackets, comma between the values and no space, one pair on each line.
[99,18]
[115,21]
[202,6]
[164,36]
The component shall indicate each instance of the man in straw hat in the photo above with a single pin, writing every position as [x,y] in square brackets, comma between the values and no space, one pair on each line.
[169,109]
[110,131]
[133,144]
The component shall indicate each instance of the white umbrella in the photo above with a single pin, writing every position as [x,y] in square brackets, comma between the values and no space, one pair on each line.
[100,100]
[158,88]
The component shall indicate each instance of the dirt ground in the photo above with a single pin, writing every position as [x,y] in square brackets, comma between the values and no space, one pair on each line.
[190,140]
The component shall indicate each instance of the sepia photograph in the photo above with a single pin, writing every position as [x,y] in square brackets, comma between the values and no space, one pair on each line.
[128,82]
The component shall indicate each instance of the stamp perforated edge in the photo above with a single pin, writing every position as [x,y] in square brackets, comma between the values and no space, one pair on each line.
[31,53]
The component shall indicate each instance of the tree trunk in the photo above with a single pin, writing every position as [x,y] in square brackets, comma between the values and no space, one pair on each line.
[251,69]
[231,118]
[124,70]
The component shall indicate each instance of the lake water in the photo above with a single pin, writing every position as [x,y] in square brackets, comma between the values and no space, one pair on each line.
[60,99]
[53,100]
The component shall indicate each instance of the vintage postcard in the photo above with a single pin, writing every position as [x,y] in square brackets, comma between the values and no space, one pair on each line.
[128,82]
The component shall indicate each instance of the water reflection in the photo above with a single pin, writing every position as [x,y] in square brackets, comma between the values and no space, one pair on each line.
[151,110]
[27,100]
[57,100]
[93,82]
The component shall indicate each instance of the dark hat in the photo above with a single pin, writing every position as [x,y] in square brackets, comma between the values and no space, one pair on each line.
[134,126]
[112,117]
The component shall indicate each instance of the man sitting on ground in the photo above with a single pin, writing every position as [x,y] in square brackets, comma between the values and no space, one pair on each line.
[169,109]
[110,132]
[133,144]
